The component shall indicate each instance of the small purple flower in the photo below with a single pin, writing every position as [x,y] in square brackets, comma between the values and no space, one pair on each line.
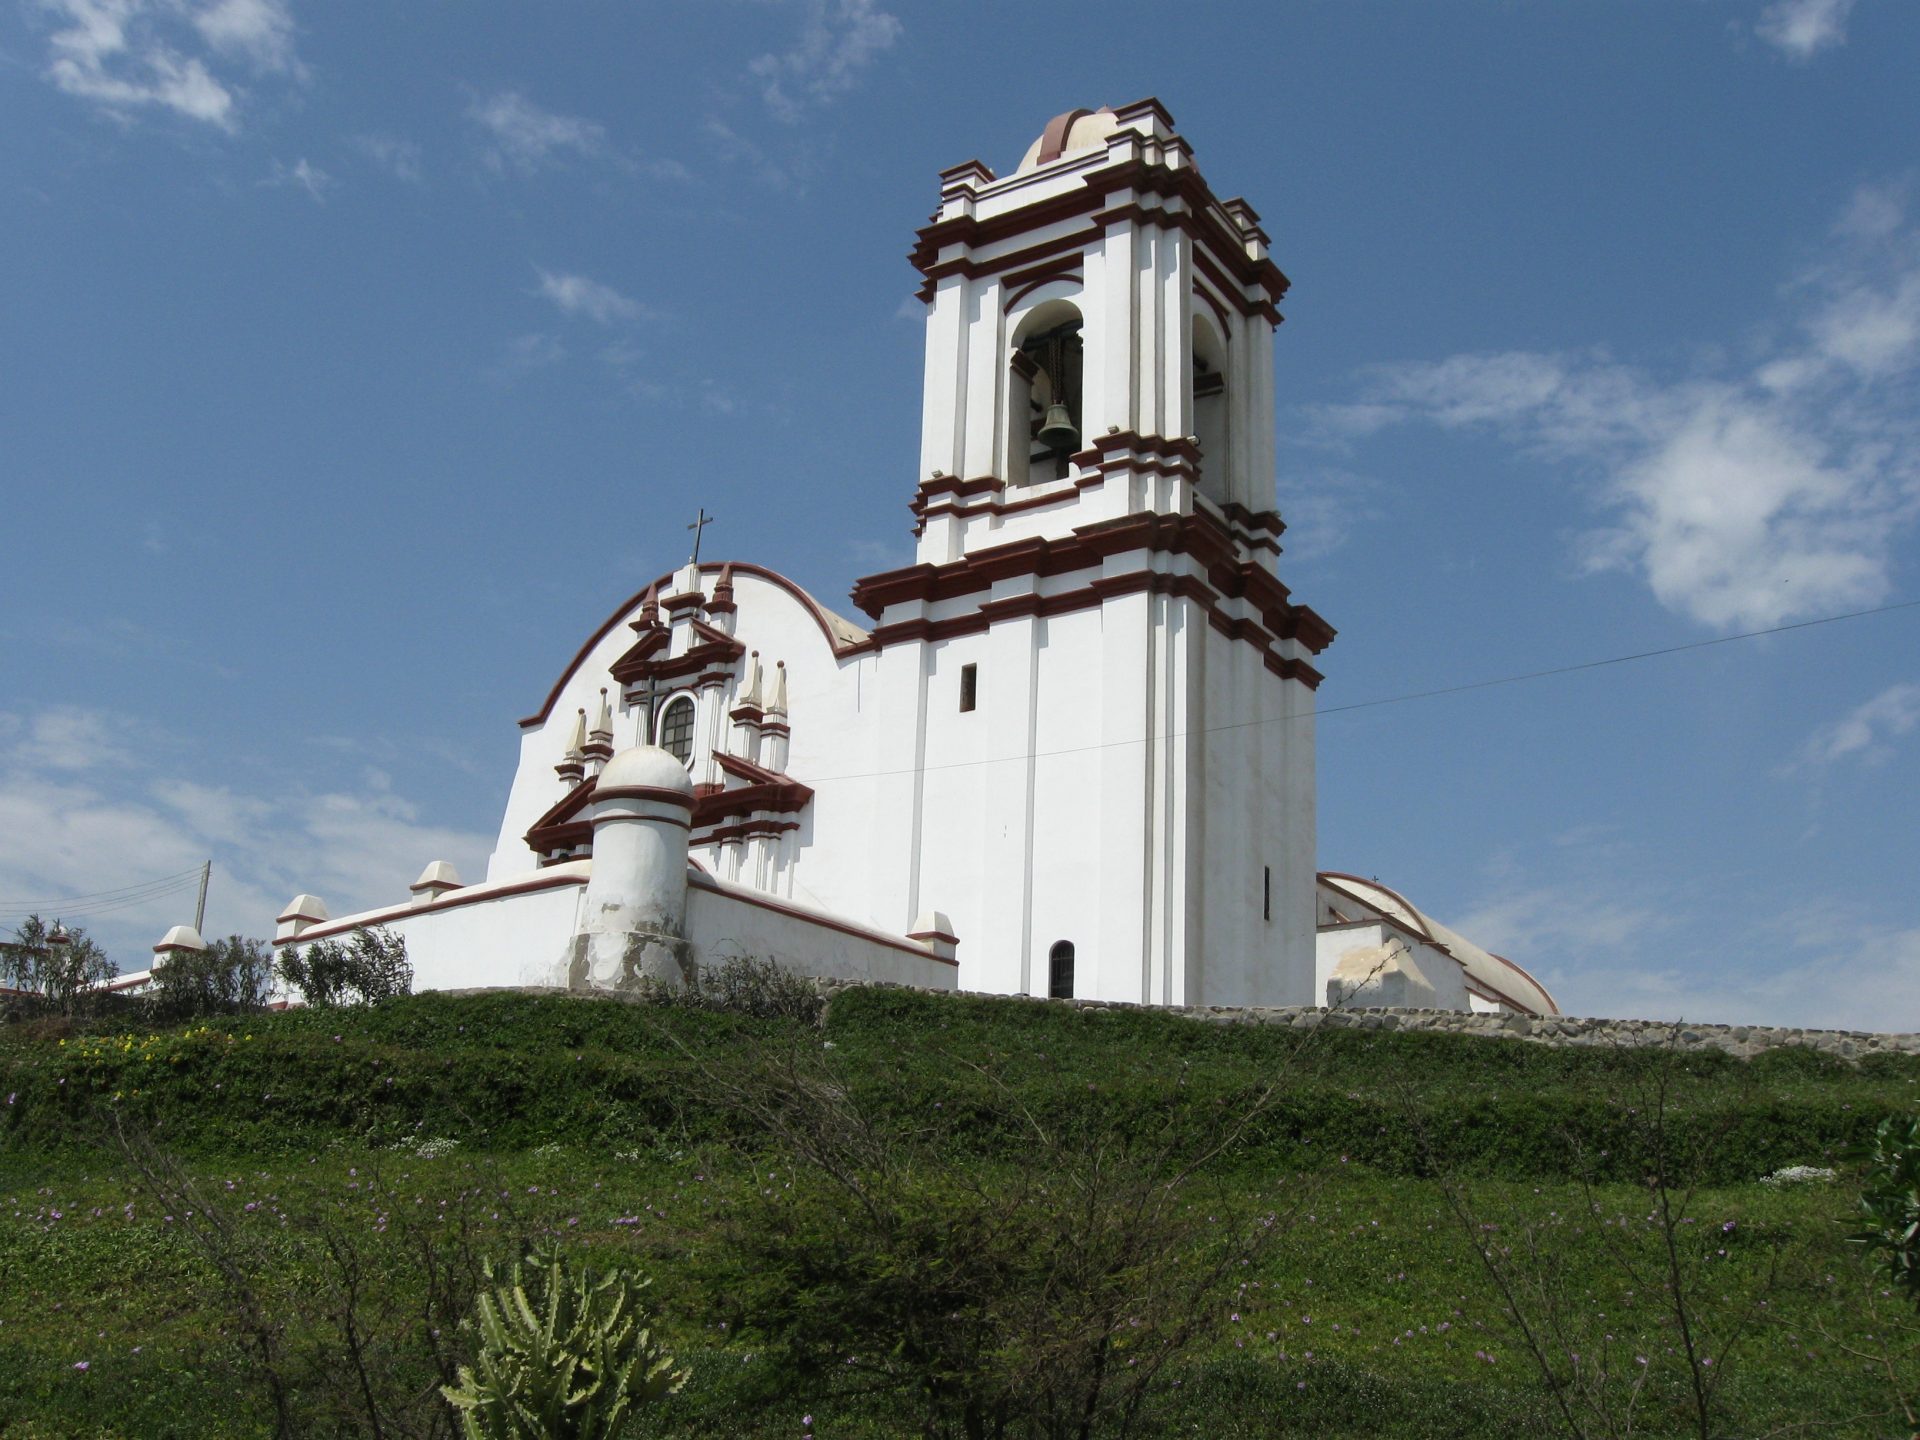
[82,1365]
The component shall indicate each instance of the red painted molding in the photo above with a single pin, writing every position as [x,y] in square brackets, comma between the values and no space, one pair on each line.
[1254,286]
[457,899]
[654,794]
[841,649]
[1202,535]
[714,647]
[1016,288]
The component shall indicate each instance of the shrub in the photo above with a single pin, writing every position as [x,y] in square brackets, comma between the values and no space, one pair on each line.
[229,976]
[746,985]
[54,968]
[563,1356]
[370,967]
[1890,1203]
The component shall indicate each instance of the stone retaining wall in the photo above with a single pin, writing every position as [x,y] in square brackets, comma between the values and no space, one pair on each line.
[1742,1040]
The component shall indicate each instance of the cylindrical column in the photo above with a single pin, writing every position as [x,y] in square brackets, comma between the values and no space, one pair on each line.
[632,927]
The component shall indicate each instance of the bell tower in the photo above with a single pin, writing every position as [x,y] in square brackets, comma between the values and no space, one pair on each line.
[1092,695]
[1099,342]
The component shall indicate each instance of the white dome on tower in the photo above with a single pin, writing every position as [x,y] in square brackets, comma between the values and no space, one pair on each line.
[1067,132]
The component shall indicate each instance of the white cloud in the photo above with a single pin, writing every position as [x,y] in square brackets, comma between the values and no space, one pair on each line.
[579,296]
[1867,731]
[1665,949]
[304,175]
[838,40]
[400,158]
[258,31]
[737,149]
[81,813]
[128,55]
[1322,508]
[1801,29]
[1741,500]
[523,355]
[1543,922]
[64,738]
[525,137]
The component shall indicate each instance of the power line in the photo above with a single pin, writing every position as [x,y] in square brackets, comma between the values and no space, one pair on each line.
[88,909]
[1617,659]
[98,894]
[1385,699]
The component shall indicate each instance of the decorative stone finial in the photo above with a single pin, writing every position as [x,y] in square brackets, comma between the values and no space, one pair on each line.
[573,764]
[436,880]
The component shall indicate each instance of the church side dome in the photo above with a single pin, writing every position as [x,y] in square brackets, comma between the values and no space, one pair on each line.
[1493,972]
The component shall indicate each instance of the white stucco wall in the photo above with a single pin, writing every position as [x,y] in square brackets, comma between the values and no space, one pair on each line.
[726,920]
[520,933]
[511,932]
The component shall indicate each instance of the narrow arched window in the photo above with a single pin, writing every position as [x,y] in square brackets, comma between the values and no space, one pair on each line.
[675,734]
[1060,970]
[1210,411]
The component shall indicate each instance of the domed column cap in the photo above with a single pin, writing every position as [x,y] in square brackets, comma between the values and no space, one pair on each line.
[438,878]
[180,937]
[644,783]
[302,913]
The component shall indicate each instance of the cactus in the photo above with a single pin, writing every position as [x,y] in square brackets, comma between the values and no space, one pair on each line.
[563,1356]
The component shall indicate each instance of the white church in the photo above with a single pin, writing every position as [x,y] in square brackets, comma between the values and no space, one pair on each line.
[1069,751]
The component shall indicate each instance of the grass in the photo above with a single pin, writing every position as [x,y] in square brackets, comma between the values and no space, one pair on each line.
[1372,1315]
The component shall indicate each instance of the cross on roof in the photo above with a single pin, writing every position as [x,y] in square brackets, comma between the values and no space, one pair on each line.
[697,527]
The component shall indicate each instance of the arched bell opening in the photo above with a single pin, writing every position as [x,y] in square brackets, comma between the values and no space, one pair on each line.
[1210,427]
[1045,393]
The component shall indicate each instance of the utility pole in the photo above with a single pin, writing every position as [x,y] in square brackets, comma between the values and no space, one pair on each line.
[200,909]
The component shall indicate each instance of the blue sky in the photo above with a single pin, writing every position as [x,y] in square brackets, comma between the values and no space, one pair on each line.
[357,359]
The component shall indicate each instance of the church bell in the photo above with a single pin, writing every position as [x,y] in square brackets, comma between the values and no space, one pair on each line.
[1057,431]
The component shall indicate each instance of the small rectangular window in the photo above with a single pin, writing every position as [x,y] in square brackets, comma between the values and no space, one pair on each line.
[1266,892]
[969,685]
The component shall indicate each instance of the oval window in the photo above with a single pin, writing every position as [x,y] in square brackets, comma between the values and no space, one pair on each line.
[675,735]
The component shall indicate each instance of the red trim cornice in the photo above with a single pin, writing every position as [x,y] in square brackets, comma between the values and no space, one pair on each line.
[713,647]
[1220,246]
[761,790]
[841,649]
[466,895]
[1203,536]
[653,794]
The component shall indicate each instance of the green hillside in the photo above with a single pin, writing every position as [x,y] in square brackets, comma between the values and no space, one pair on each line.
[922,1198]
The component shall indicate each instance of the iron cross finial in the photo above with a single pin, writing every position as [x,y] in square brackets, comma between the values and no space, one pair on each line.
[698,527]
